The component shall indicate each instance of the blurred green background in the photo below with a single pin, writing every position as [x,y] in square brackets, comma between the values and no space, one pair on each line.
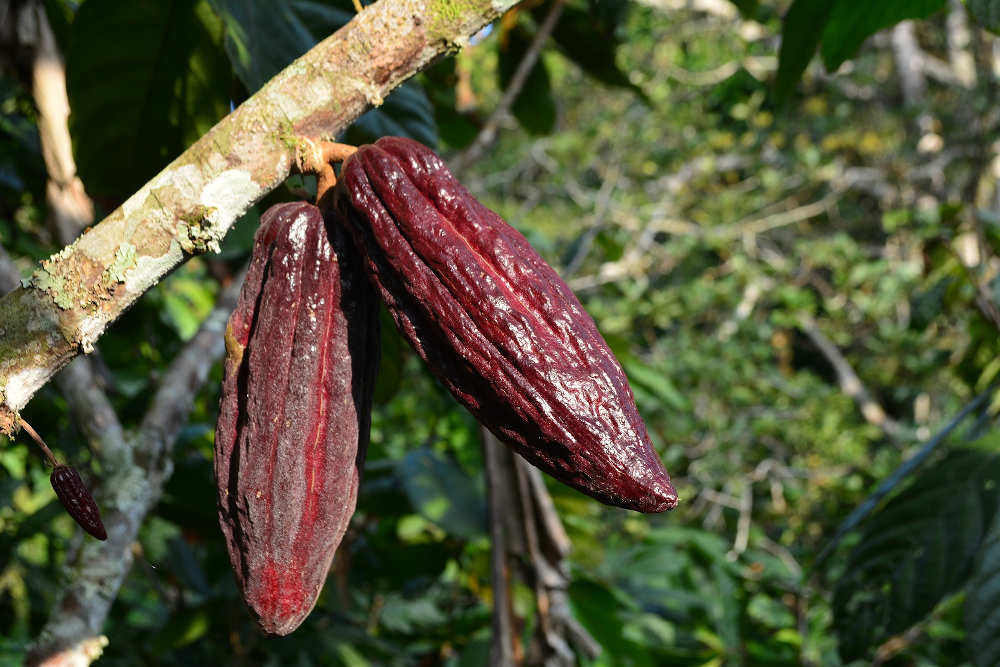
[756,237]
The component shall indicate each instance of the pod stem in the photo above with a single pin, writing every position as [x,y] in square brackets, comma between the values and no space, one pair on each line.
[38,441]
[314,156]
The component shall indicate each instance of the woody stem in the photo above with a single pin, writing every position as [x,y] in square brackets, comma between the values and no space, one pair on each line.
[38,441]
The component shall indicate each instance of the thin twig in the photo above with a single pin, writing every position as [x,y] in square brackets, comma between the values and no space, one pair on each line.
[41,443]
[742,539]
[851,384]
[487,134]
[501,644]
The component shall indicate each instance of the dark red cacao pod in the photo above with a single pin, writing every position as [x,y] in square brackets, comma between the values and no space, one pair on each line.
[76,498]
[497,325]
[294,417]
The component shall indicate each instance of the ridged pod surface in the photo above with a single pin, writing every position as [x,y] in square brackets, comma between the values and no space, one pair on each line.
[77,499]
[497,325]
[301,353]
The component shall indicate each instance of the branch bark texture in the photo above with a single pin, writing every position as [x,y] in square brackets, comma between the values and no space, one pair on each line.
[71,298]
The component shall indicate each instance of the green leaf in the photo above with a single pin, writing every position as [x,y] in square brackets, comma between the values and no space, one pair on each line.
[183,563]
[591,44]
[392,356]
[655,382]
[800,33]
[262,37]
[982,602]
[919,548]
[748,8]
[599,609]
[443,492]
[534,106]
[145,79]
[986,13]
[458,128]
[853,21]
[183,629]
[405,113]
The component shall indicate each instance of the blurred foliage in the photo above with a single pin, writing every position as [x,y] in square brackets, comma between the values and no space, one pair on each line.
[702,226]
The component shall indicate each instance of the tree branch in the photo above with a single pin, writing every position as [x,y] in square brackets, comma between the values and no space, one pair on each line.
[187,208]
[134,475]
[69,206]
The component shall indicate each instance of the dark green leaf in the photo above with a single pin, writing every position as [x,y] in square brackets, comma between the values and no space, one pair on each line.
[458,128]
[853,21]
[239,239]
[590,44]
[748,8]
[800,33]
[608,14]
[599,609]
[920,547]
[444,493]
[405,113]
[145,79]
[986,13]
[322,18]
[982,602]
[262,38]
[534,106]
[183,563]
[182,629]
[392,355]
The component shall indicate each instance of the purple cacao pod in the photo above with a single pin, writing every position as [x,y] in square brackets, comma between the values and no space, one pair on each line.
[77,499]
[497,325]
[294,417]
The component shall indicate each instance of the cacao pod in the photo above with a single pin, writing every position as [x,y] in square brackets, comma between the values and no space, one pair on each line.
[76,498]
[497,325]
[294,417]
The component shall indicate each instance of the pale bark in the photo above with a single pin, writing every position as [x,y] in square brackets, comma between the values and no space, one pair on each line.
[909,63]
[959,44]
[187,208]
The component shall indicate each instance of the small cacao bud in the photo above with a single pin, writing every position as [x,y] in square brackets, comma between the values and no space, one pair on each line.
[301,353]
[76,498]
[497,325]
